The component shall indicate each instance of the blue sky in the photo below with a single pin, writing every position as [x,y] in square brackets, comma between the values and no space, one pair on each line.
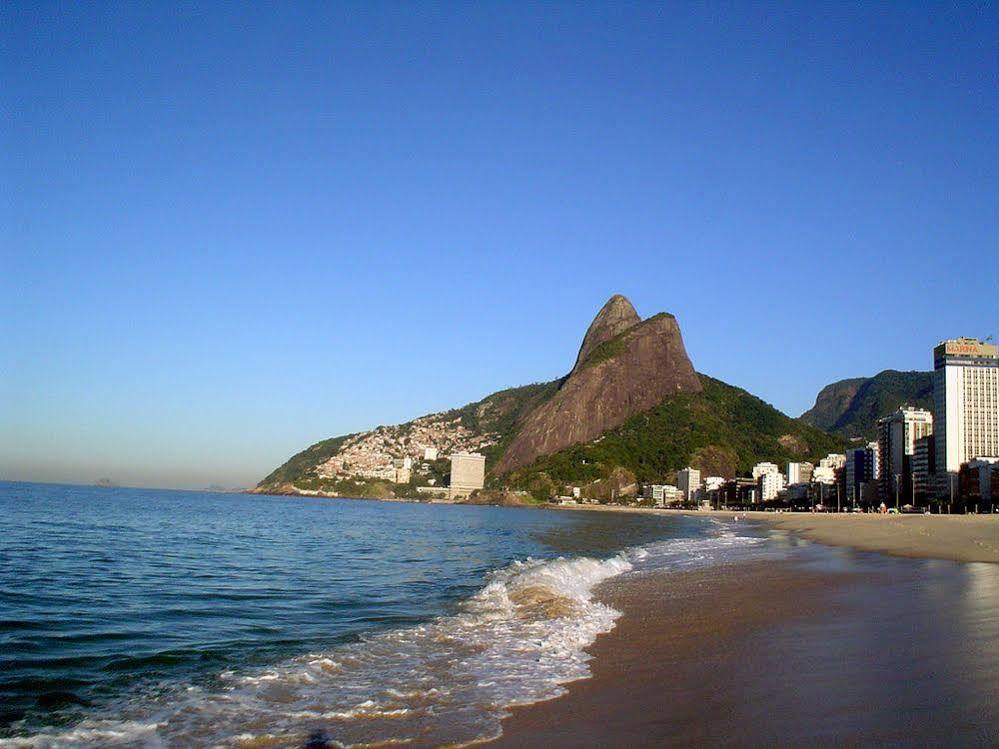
[231,230]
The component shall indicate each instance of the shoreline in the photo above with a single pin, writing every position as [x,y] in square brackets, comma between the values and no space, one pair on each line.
[659,642]
[876,651]
[958,538]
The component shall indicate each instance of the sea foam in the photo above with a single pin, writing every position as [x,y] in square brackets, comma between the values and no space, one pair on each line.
[518,640]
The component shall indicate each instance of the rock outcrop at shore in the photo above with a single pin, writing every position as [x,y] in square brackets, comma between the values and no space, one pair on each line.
[625,366]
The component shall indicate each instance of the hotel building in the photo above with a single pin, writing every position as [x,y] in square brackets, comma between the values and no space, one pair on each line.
[966,402]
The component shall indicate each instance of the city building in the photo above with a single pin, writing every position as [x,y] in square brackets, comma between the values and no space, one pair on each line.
[799,473]
[688,481]
[923,466]
[979,482]
[739,492]
[430,454]
[760,468]
[662,494]
[897,435]
[861,467]
[833,460]
[468,473]
[770,484]
[966,404]
[824,475]
[713,483]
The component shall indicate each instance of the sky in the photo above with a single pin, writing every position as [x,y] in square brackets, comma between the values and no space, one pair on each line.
[230,230]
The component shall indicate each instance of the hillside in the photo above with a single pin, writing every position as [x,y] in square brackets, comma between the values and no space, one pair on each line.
[632,407]
[352,464]
[851,408]
[722,430]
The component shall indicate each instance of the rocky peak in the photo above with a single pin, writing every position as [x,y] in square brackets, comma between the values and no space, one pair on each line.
[615,317]
[625,366]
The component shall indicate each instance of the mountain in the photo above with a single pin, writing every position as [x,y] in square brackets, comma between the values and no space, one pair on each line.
[721,430]
[625,366]
[632,408]
[851,408]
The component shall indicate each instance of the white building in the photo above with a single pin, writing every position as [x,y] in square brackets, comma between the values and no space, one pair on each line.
[468,473]
[799,473]
[897,435]
[770,484]
[430,454]
[824,475]
[688,481]
[713,483]
[833,460]
[663,494]
[760,468]
[966,402]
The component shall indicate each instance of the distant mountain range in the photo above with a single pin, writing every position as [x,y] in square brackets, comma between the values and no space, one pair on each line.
[632,409]
[851,408]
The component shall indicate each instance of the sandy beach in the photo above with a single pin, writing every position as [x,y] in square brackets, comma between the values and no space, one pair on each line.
[961,538]
[885,652]
[858,650]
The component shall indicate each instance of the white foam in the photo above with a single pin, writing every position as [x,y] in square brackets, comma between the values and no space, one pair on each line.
[449,681]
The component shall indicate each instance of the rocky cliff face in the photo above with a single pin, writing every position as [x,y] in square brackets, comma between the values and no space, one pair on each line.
[625,366]
[614,318]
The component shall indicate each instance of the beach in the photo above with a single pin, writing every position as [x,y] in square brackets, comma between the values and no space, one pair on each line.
[961,538]
[836,647]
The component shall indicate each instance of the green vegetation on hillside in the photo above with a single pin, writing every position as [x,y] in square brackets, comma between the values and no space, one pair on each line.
[499,413]
[502,412]
[851,408]
[300,465]
[723,431]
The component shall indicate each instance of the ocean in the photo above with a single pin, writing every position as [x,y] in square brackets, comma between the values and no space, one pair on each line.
[135,617]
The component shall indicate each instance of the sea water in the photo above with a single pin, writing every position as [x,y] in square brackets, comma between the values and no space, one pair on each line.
[156,618]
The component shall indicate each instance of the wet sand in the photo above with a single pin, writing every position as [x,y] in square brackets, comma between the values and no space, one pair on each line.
[864,650]
[963,538]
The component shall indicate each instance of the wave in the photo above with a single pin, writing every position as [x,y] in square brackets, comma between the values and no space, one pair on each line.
[450,681]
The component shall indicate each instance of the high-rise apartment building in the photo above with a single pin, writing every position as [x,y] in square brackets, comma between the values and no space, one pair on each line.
[861,467]
[897,435]
[966,404]
[760,468]
[923,461]
[770,484]
[688,480]
[799,473]
[468,473]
